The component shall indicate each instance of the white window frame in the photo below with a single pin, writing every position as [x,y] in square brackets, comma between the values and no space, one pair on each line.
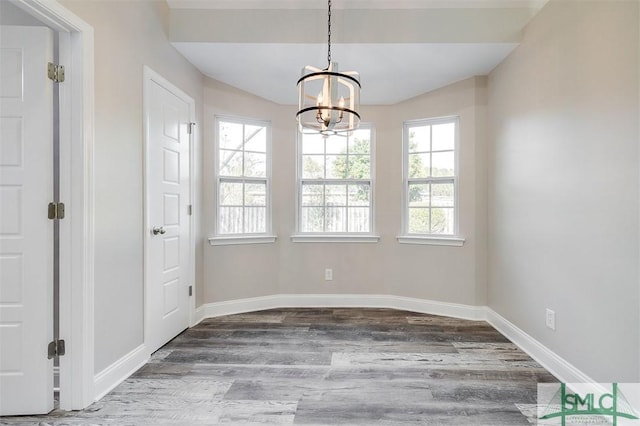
[336,237]
[242,238]
[454,239]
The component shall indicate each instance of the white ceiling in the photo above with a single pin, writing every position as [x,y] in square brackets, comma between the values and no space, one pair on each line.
[390,72]
[351,4]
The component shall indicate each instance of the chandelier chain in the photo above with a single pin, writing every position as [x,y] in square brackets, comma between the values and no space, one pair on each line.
[329,34]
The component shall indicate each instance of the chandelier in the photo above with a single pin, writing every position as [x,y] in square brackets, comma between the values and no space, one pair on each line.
[328,100]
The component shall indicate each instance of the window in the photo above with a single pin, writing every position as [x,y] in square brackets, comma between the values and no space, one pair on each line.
[335,183]
[430,177]
[243,177]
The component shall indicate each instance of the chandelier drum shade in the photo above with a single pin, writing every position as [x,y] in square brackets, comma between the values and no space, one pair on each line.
[328,100]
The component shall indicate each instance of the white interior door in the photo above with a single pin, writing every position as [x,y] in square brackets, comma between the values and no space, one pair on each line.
[168,221]
[26,235]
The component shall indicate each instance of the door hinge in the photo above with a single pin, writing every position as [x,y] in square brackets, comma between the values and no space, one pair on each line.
[55,72]
[190,127]
[190,290]
[190,209]
[55,211]
[56,348]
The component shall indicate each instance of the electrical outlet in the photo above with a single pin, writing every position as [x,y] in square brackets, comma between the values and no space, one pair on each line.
[551,319]
[328,274]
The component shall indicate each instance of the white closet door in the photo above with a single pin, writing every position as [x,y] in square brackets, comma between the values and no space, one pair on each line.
[26,234]
[168,194]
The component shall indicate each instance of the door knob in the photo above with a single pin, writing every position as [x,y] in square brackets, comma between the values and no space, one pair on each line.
[158,230]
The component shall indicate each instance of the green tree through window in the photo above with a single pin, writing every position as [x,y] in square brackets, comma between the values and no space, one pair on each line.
[430,176]
[335,184]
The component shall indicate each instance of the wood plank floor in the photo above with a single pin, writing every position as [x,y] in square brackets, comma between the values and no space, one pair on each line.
[325,367]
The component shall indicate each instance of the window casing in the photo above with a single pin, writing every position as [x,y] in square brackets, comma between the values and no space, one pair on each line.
[335,183]
[431,177]
[243,177]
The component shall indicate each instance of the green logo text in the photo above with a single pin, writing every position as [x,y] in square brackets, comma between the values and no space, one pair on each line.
[591,404]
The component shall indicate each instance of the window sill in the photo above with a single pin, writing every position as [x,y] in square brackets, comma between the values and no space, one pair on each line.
[334,238]
[242,239]
[431,240]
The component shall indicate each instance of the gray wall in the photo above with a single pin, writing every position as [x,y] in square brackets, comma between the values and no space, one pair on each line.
[128,35]
[448,274]
[563,185]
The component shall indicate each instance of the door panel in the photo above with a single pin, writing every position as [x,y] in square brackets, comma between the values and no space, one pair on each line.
[167,268]
[26,235]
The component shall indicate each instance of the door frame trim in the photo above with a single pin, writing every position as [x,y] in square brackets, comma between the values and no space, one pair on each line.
[149,75]
[77,190]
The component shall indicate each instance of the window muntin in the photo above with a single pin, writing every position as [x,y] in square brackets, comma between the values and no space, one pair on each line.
[243,177]
[335,183]
[430,170]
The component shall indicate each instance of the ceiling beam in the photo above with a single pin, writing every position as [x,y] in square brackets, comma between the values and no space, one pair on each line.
[442,25]
[353,4]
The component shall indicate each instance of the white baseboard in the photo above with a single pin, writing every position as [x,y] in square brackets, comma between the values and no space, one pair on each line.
[116,373]
[238,306]
[563,370]
[198,315]
[231,307]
